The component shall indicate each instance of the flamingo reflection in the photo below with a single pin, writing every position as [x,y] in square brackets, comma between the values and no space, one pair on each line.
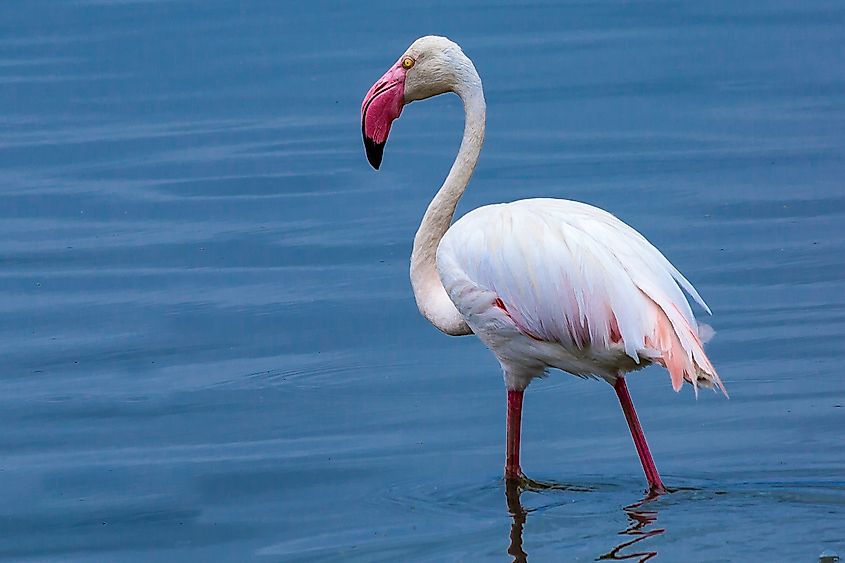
[640,516]
[639,519]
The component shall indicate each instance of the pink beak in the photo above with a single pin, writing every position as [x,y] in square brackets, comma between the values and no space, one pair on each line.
[382,104]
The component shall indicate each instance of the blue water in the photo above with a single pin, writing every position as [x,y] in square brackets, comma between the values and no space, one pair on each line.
[210,349]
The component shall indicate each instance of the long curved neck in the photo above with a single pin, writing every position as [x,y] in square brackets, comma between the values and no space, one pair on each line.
[432,299]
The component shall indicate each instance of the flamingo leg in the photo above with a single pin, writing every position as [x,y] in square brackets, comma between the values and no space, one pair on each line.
[654,483]
[512,469]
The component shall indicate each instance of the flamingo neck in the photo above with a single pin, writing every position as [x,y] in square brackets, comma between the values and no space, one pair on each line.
[432,299]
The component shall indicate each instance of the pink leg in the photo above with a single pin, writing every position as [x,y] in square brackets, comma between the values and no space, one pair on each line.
[654,482]
[512,469]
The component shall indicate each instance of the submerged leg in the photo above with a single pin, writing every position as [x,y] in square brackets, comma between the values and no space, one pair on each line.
[654,483]
[512,469]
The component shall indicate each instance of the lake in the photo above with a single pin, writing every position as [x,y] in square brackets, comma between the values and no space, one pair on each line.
[210,346]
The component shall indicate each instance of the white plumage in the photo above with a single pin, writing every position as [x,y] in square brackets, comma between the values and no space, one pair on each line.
[544,283]
[578,290]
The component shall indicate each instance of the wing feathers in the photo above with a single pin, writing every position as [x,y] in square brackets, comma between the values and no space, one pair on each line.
[573,274]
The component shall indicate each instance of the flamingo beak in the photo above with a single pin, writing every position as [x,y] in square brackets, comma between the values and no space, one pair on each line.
[382,104]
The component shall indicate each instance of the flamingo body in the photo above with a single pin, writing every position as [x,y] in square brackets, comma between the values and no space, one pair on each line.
[551,283]
[544,283]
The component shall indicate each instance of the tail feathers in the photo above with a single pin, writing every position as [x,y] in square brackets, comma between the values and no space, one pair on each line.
[679,348]
[705,333]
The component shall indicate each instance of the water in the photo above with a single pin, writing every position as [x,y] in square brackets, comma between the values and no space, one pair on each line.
[210,348]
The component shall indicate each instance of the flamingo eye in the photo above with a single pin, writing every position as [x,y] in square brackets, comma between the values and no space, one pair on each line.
[407,63]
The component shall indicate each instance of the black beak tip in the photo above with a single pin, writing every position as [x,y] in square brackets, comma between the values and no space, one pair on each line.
[375,151]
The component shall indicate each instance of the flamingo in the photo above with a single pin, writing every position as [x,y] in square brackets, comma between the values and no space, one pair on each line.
[544,283]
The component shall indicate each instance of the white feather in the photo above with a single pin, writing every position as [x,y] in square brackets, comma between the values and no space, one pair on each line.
[567,273]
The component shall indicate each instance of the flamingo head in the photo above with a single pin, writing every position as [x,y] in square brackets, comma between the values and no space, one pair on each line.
[430,66]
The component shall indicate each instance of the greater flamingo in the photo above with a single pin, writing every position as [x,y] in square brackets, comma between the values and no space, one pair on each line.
[544,283]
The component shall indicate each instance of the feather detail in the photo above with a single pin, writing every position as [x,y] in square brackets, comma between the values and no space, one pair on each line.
[575,277]
[680,350]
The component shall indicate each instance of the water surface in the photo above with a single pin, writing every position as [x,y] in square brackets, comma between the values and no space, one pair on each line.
[210,347]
